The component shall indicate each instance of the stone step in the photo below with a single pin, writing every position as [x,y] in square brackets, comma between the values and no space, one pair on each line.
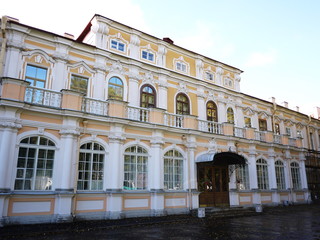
[227,212]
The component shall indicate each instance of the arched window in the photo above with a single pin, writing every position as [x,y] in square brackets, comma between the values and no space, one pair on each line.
[242,177]
[262,174]
[91,166]
[115,88]
[295,175]
[135,168]
[281,184]
[173,170]
[35,164]
[148,97]
[182,104]
[230,115]
[212,113]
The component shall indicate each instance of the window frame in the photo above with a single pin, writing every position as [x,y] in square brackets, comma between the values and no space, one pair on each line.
[280,175]
[79,89]
[117,45]
[173,170]
[183,105]
[32,165]
[148,95]
[115,87]
[247,124]
[263,125]
[262,174]
[210,110]
[33,80]
[91,164]
[148,54]
[230,115]
[131,171]
[295,176]
[242,177]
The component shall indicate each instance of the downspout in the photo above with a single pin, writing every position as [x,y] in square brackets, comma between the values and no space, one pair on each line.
[4,21]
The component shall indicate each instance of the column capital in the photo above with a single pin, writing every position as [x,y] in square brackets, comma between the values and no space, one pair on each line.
[12,124]
[157,142]
[113,138]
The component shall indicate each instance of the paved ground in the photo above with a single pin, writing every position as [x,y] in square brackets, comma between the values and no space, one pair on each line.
[293,222]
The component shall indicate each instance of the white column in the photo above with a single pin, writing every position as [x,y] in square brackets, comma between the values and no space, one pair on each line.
[191,165]
[252,171]
[99,84]
[239,118]
[59,74]
[161,56]
[219,72]
[201,107]
[271,170]
[303,174]
[155,166]
[68,160]
[101,31]
[255,121]
[134,92]
[8,135]
[222,112]
[13,61]
[134,47]
[163,95]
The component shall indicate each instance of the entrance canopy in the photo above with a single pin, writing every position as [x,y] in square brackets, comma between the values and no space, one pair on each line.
[222,158]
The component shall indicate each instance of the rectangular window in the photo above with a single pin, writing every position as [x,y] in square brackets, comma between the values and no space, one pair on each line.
[79,84]
[247,122]
[209,76]
[277,128]
[36,76]
[288,131]
[148,55]
[118,45]
[262,125]
[181,67]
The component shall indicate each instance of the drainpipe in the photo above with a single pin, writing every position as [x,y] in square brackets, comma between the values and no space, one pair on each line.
[4,21]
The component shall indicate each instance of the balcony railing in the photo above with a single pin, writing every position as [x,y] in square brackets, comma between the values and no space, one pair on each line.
[94,106]
[173,120]
[239,132]
[42,96]
[138,114]
[260,136]
[211,127]
[276,138]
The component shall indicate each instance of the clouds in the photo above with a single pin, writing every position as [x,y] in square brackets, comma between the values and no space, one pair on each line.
[259,59]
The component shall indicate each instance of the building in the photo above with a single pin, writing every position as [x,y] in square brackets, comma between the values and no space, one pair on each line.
[118,123]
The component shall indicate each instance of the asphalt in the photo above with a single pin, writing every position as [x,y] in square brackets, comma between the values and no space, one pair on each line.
[285,222]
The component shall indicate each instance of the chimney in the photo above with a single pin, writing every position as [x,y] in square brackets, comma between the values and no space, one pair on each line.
[286,104]
[168,40]
[298,109]
[68,35]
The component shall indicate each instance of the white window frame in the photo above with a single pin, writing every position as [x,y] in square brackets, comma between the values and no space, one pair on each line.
[280,175]
[242,177]
[117,45]
[37,182]
[135,175]
[148,54]
[262,174]
[295,176]
[173,170]
[93,184]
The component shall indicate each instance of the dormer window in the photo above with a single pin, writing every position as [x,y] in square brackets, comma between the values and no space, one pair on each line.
[181,67]
[147,55]
[209,76]
[118,45]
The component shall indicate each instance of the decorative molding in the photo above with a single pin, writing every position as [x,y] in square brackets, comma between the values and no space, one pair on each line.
[74,132]
[182,88]
[248,111]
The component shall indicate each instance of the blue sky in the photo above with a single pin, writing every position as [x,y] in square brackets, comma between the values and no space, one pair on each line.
[276,42]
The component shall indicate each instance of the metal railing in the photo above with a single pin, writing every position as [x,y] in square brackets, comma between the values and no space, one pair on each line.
[211,127]
[94,106]
[138,113]
[173,120]
[42,96]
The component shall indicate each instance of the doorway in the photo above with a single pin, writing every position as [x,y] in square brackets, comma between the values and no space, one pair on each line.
[213,183]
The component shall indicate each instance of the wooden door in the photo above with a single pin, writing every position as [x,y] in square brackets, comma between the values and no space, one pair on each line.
[213,185]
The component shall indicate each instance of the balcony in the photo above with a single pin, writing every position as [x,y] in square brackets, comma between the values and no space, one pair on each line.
[94,106]
[138,114]
[43,97]
[20,91]
[211,127]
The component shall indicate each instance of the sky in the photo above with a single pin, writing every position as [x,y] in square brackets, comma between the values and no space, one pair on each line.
[275,42]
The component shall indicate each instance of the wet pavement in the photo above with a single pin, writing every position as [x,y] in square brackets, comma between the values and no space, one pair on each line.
[291,222]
